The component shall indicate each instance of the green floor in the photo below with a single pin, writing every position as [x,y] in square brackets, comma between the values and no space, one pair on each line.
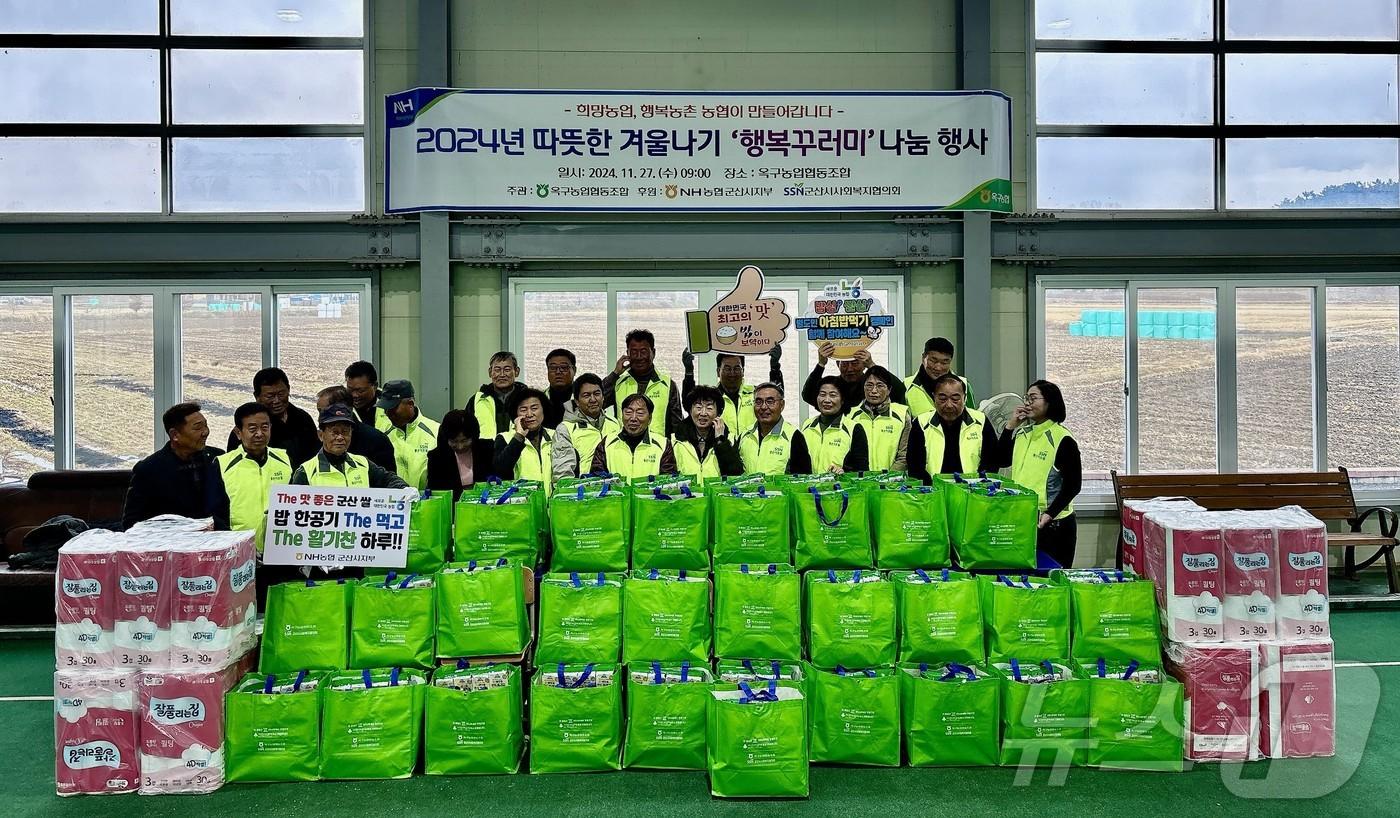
[1361,778]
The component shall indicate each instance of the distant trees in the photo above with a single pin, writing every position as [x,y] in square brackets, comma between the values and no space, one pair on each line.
[1379,193]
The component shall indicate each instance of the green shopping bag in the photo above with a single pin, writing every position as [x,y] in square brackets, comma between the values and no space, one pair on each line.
[429,532]
[666,707]
[1044,707]
[576,719]
[999,527]
[730,672]
[833,528]
[591,482]
[854,716]
[751,524]
[495,521]
[951,715]
[1135,717]
[670,529]
[909,526]
[758,613]
[939,614]
[850,619]
[481,610]
[306,627]
[371,722]
[665,617]
[391,622]
[1026,618]
[472,720]
[1114,616]
[589,529]
[272,728]
[953,488]
[756,742]
[580,618]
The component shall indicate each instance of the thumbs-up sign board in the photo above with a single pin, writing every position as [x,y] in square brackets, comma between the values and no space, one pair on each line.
[743,322]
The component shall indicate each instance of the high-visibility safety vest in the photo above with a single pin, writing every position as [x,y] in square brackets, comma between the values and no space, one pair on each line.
[355,476]
[585,438]
[658,389]
[737,414]
[969,440]
[828,445]
[769,455]
[881,433]
[484,407]
[919,401]
[644,461]
[1033,461]
[411,446]
[690,464]
[247,484]
[536,460]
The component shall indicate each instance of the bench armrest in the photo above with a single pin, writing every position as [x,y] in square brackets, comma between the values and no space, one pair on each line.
[1389,520]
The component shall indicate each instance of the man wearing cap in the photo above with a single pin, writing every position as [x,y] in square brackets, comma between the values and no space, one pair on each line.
[334,466]
[412,434]
[366,441]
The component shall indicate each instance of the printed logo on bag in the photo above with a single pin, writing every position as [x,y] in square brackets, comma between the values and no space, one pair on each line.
[195,586]
[177,711]
[92,754]
[139,586]
[1306,560]
[1251,562]
[1200,562]
[78,588]
[241,576]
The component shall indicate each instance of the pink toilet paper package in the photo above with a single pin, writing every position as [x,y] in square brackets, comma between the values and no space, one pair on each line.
[95,732]
[84,600]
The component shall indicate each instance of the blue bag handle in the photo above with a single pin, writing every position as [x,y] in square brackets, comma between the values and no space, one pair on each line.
[952,669]
[607,487]
[867,672]
[769,695]
[1103,670]
[602,579]
[744,568]
[583,677]
[364,676]
[945,574]
[463,664]
[831,576]
[821,513]
[654,574]
[485,496]
[923,575]
[773,568]
[1049,668]
[507,494]
[574,580]
[656,673]
[1132,668]
[389,579]
[681,573]
[578,494]
[404,585]
[1016,669]
[268,683]
[685,671]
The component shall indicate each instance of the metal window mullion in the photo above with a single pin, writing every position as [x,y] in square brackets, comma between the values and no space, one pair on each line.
[612,354]
[267,318]
[63,448]
[1227,434]
[1319,354]
[165,315]
[167,175]
[1130,370]
[1218,155]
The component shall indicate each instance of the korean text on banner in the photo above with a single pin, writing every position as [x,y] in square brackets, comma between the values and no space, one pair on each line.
[365,528]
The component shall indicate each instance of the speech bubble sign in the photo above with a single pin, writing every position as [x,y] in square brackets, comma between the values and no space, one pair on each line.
[847,316]
[743,322]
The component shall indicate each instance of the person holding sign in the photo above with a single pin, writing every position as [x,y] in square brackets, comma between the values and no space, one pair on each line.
[885,422]
[937,362]
[829,442]
[702,445]
[584,427]
[251,469]
[635,451]
[334,465]
[526,451]
[1044,456]
[412,434]
[766,447]
[636,374]
[491,403]
[953,437]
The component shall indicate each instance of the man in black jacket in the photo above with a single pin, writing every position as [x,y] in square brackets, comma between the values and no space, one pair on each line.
[293,428]
[366,441]
[182,478]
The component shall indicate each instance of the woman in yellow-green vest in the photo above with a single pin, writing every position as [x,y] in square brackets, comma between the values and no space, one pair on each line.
[526,451]
[702,445]
[635,451]
[886,424]
[952,438]
[1044,457]
[830,441]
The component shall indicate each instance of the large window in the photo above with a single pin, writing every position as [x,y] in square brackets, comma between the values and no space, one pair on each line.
[182,106]
[591,317]
[1225,375]
[1216,104]
[128,352]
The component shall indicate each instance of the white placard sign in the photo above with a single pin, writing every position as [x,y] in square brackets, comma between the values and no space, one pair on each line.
[337,527]
[497,150]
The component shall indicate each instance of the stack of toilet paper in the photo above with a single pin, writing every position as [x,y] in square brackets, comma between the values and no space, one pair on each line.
[95,731]
[84,600]
[182,728]
[1132,518]
[213,607]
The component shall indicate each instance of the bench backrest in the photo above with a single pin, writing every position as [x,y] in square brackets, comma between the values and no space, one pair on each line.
[1326,495]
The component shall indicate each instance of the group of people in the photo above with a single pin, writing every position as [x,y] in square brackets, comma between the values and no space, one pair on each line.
[635,422]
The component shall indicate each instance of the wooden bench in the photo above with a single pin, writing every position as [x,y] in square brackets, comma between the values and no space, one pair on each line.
[1326,495]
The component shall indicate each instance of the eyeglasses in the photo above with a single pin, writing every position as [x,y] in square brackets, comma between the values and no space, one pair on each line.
[766,401]
[552,368]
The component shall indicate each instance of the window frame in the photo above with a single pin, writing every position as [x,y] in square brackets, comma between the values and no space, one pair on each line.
[1219,47]
[164,43]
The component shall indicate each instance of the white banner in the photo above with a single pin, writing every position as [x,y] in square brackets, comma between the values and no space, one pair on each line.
[450,149]
[329,527]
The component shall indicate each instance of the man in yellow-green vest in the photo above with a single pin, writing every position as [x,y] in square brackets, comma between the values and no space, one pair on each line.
[334,466]
[886,423]
[584,427]
[953,438]
[636,373]
[766,447]
[526,451]
[491,403]
[251,469]
[409,430]
[634,452]
[702,444]
[937,362]
[736,397]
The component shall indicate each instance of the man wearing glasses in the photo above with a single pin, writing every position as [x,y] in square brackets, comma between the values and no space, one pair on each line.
[766,446]
[334,465]
[560,367]
[491,403]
